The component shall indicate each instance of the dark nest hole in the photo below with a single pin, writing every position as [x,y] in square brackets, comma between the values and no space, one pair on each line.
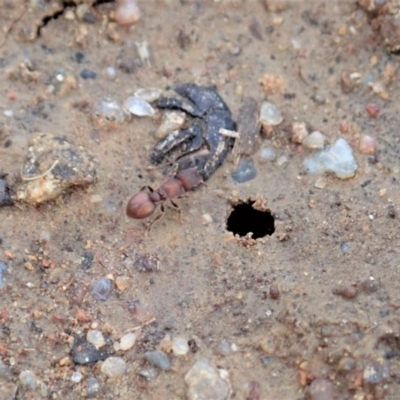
[245,219]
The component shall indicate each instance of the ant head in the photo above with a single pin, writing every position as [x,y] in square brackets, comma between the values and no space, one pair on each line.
[140,206]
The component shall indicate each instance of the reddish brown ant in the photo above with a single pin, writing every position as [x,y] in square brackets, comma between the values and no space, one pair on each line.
[144,203]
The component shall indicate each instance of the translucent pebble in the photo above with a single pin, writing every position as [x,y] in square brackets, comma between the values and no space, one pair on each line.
[127,12]
[337,159]
[267,154]
[114,367]
[3,269]
[111,72]
[180,346]
[28,379]
[76,377]
[159,359]
[148,94]
[148,373]
[96,338]
[110,110]
[127,341]
[138,107]
[270,114]
[93,387]
[246,171]
[101,289]
[314,140]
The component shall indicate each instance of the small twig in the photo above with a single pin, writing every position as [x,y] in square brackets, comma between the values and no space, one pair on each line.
[229,133]
[32,178]
[150,321]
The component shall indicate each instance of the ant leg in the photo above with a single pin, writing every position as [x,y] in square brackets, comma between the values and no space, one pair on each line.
[155,220]
[177,208]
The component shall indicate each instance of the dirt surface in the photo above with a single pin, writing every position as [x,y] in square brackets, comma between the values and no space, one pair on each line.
[315,303]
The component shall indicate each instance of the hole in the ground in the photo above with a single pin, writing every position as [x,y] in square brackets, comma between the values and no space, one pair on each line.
[244,219]
[66,4]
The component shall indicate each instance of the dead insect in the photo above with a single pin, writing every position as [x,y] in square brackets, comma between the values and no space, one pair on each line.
[144,203]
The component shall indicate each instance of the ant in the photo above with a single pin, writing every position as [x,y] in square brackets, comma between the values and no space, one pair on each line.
[144,203]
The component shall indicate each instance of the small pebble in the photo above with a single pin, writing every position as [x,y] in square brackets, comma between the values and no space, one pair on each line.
[84,352]
[128,341]
[376,371]
[148,94]
[114,367]
[88,74]
[270,114]
[370,285]
[28,379]
[267,154]
[344,247]
[122,282]
[96,338]
[127,12]
[148,373]
[93,387]
[205,382]
[346,364]
[299,132]
[110,110]
[206,219]
[372,110]
[159,359]
[138,107]
[3,269]
[274,292]
[314,140]
[321,182]
[246,171]
[76,377]
[101,289]
[87,260]
[367,144]
[266,360]
[111,72]
[147,263]
[321,389]
[337,159]
[346,291]
[180,346]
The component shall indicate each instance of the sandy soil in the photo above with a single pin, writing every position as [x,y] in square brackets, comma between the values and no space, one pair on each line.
[334,254]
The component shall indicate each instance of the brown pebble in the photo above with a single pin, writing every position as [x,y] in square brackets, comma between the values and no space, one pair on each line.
[254,391]
[321,389]
[274,292]
[392,213]
[367,144]
[373,110]
[346,291]
[82,316]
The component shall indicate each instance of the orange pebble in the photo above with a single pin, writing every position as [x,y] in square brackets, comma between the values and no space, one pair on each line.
[367,144]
